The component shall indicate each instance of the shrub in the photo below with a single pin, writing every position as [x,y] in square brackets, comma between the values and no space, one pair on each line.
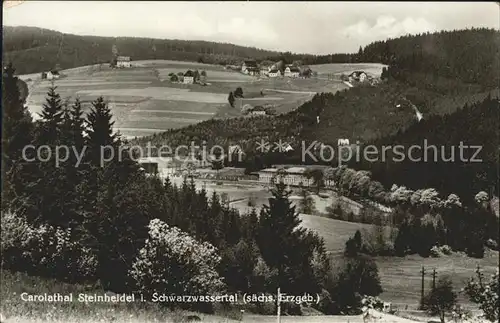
[173,261]
[44,250]
[435,252]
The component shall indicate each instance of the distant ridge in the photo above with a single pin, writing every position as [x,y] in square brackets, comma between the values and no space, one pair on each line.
[33,49]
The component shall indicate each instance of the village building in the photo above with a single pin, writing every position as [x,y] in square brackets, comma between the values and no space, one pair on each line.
[264,70]
[274,73]
[52,75]
[123,61]
[188,77]
[292,71]
[254,71]
[249,67]
[293,176]
[358,76]
[257,113]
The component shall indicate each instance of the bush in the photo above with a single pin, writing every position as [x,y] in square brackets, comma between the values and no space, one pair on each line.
[44,250]
[435,252]
[173,261]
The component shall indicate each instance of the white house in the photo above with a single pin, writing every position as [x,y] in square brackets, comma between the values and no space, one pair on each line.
[53,75]
[123,61]
[292,71]
[274,73]
[257,113]
[293,176]
[188,77]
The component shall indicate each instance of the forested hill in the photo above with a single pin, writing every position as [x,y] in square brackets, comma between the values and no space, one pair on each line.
[471,55]
[33,49]
[445,168]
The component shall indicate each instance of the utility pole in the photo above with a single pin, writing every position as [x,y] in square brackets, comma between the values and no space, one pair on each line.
[279,306]
[422,288]
[433,278]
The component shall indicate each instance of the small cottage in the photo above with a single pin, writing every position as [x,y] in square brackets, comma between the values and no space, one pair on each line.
[53,75]
[274,73]
[188,77]
[123,61]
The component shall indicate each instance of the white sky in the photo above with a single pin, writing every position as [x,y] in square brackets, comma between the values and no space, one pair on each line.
[305,27]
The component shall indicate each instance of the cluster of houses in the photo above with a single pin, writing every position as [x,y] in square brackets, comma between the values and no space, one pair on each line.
[360,77]
[189,77]
[250,67]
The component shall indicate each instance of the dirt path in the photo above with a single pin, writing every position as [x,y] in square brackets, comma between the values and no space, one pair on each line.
[291,91]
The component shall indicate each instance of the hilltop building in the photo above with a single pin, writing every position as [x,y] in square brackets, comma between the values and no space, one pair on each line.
[52,75]
[123,61]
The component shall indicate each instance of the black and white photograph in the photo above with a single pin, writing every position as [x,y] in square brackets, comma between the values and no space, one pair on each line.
[250,161]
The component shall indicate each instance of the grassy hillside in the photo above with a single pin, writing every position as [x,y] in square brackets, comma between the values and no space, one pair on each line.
[400,276]
[33,49]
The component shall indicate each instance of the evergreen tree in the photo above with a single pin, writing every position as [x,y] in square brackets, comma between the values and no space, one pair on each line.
[77,124]
[284,245]
[101,131]
[52,117]
[17,132]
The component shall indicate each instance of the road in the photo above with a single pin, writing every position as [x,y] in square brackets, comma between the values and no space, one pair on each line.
[290,91]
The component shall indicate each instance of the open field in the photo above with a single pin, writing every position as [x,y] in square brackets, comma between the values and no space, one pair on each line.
[143,102]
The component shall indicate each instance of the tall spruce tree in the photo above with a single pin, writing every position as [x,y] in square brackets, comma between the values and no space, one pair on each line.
[284,245]
[100,133]
[52,117]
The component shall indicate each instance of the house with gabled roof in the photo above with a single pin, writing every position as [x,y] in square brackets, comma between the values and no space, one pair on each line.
[292,71]
[123,61]
[188,77]
[250,67]
[274,73]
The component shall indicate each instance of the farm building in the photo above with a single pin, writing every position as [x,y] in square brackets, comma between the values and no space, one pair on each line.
[358,76]
[264,70]
[293,176]
[249,67]
[274,73]
[188,77]
[123,61]
[292,71]
[52,75]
